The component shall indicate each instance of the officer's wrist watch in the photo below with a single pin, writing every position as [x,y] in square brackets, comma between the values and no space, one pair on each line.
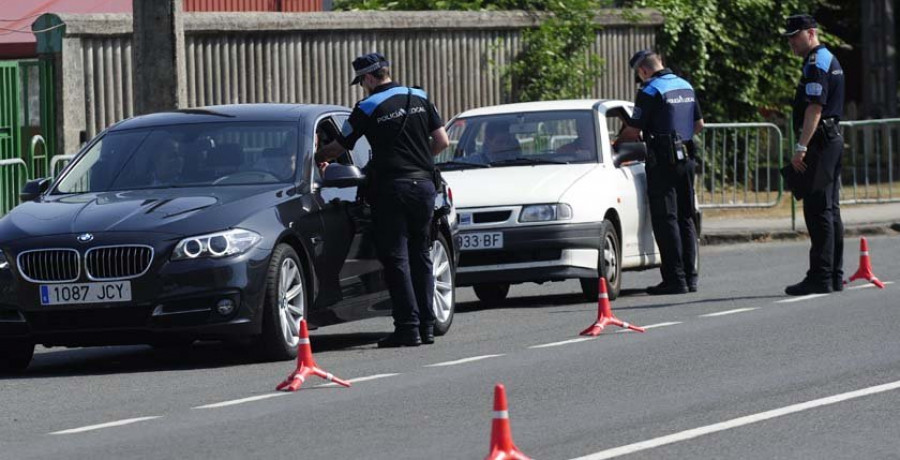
[800,148]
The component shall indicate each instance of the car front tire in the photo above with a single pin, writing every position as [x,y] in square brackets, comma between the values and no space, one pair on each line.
[491,292]
[15,357]
[609,265]
[285,304]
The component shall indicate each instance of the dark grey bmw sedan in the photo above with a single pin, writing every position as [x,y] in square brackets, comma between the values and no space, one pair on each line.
[210,223]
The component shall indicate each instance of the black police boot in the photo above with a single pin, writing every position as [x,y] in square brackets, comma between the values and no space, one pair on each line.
[692,284]
[667,289]
[807,287]
[401,338]
[837,285]
[427,334]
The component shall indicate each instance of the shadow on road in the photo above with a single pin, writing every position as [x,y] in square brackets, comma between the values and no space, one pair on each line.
[536,301]
[62,362]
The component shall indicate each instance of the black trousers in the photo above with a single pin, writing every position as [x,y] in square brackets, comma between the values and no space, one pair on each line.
[402,220]
[671,192]
[822,211]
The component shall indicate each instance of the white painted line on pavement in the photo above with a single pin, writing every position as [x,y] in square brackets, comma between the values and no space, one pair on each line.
[801,298]
[564,342]
[106,425]
[240,401]
[867,286]
[727,312]
[651,326]
[737,422]
[361,379]
[463,361]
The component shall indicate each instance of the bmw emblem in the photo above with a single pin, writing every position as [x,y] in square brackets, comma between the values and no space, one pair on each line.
[85,237]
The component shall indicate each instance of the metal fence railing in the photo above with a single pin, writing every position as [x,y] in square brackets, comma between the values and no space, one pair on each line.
[740,164]
[871,163]
[58,163]
[13,175]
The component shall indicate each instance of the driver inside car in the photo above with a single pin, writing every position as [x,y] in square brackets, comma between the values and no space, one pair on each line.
[499,144]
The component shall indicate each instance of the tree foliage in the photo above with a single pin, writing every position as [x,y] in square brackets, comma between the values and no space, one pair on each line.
[554,62]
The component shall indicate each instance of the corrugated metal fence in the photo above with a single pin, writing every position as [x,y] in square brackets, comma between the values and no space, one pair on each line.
[266,57]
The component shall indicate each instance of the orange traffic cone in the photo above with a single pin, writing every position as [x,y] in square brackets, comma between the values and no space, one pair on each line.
[865,266]
[605,315]
[502,446]
[306,365]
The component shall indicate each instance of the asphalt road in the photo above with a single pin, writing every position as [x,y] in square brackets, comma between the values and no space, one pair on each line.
[728,372]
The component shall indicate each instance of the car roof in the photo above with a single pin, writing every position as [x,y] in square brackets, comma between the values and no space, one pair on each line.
[232,112]
[543,106]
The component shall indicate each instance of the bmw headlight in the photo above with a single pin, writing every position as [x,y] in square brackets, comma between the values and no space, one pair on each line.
[4,264]
[545,212]
[216,245]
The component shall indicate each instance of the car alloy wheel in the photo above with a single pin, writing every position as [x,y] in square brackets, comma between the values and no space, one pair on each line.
[444,283]
[291,301]
[285,304]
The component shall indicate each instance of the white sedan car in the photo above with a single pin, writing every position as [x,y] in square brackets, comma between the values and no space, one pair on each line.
[542,196]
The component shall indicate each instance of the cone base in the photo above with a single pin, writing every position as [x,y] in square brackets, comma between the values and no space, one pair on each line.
[512,454]
[604,321]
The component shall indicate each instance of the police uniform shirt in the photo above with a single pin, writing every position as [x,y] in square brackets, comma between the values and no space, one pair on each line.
[822,83]
[379,117]
[666,103]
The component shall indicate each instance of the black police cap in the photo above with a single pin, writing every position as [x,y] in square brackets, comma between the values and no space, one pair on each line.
[368,63]
[638,58]
[798,22]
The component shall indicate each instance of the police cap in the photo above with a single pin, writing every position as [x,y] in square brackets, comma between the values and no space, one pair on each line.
[798,22]
[639,57]
[368,63]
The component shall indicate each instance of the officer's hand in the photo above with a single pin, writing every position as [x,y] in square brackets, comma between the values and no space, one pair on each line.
[797,161]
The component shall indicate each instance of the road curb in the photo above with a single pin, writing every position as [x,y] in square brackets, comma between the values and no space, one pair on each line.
[767,236]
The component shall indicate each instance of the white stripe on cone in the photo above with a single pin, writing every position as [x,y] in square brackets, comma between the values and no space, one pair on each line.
[303,342]
[865,253]
[604,295]
[504,414]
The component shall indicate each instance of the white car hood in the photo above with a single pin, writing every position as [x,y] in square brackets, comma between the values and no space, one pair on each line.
[513,185]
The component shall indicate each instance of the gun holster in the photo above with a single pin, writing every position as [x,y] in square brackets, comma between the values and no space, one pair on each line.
[667,148]
[829,128]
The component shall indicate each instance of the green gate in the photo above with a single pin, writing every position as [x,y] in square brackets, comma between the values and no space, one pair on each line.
[27,125]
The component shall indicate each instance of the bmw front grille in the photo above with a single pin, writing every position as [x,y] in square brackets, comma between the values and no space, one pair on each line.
[107,263]
[50,265]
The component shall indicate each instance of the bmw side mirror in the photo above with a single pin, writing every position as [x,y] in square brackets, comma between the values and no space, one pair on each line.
[629,152]
[342,176]
[33,189]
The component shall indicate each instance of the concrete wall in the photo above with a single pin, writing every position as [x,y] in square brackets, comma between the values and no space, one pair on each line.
[305,58]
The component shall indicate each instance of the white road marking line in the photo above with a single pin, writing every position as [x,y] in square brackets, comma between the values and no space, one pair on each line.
[801,298]
[727,312]
[737,422]
[361,379]
[651,326]
[564,342]
[106,425]
[463,361]
[869,285]
[240,401]
[672,323]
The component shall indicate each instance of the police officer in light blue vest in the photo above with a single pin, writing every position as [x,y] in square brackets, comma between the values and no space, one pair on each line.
[668,115]
[818,107]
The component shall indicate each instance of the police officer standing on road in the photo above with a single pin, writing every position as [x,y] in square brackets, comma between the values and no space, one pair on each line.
[818,107]
[668,115]
[405,132]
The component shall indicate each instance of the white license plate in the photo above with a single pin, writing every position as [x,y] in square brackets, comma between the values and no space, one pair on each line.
[475,241]
[65,294]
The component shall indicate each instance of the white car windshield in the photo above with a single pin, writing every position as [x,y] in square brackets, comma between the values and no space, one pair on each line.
[190,155]
[548,137]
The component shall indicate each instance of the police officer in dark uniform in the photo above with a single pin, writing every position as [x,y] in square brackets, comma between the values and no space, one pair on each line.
[405,131]
[818,107]
[668,115]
